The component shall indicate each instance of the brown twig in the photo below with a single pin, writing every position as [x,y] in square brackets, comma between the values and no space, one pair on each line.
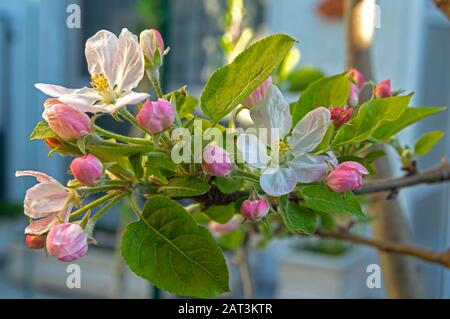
[438,257]
[437,174]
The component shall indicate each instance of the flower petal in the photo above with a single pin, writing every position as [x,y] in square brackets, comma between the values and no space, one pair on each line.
[41,177]
[130,98]
[309,132]
[100,51]
[44,199]
[53,90]
[43,225]
[278,181]
[310,168]
[254,152]
[128,67]
[85,100]
[273,113]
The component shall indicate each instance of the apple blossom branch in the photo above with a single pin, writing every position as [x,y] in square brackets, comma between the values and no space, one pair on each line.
[438,174]
[439,257]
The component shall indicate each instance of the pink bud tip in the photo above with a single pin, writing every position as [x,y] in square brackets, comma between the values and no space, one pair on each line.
[156,116]
[353,99]
[35,241]
[346,176]
[67,242]
[254,210]
[357,77]
[259,94]
[67,121]
[383,89]
[87,169]
[340,115]
[216,161]
[151,41]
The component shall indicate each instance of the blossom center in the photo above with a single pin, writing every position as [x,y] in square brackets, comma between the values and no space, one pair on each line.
[100,83]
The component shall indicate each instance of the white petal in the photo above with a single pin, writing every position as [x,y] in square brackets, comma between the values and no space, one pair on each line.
[310,168]
[130,98]
[309,132]
[128,67]
[273,113]
[41,177]
[43,225]
[44,199]
[100,53]
[254,152]
[53,90]
[85,99]
[278,181]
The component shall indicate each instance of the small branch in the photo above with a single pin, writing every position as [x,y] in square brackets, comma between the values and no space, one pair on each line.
[244,268]
[437,174]
[442,258]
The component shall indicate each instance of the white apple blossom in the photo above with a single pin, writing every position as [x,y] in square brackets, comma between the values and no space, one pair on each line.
[116,66]
[285,160]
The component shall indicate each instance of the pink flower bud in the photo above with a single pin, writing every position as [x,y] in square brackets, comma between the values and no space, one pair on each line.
[353,99]
[383,89]
[87,169]
[156,116]
[259,94]
[346,176]
[67,242]
[223,229]
[357,77]
[216,161]
[254,210]
[152,41]
[340,115]
[35,241]
[67,121]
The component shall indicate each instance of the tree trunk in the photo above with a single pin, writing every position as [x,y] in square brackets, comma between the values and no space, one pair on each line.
[400,275]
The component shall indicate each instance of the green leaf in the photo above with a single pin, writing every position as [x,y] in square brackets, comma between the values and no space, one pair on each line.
[370,116]
[221,213]
[188,106]
[120,149]
[410,116]
[299,219]
[42,131]
[229,184]
[136,164]
[232,240]
[322,199]
[185,187]
[170,250]
[329,91]
[231,84]
[161,161]
[427,141]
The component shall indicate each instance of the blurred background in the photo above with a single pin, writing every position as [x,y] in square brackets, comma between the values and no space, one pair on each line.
[411,46]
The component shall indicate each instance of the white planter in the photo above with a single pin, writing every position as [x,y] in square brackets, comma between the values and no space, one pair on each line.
[305,274]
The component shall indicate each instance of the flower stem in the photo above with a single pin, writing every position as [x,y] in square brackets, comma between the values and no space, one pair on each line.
[135,207]
[108,206]
[93,204]
[153,76]
[132,140]
[130,118]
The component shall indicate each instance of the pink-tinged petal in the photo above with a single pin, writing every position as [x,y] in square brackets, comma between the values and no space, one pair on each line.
[130,98]
[44,199]
[84,99]
[278,181]
[53,90]
[253,151]
[309,132]
[351,165]
[272,112]
[128,65]
[41,177]
[43,225]
[311,168]
[100,51]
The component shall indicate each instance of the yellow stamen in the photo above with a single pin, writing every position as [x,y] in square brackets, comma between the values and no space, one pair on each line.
[100,83]
[283,146]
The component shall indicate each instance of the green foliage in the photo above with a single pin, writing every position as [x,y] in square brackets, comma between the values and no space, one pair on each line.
[427,141]
[231,84]
[410,116]
[370,116]
[221,213]
[302,78]
[229,184]
[232,240]
[321,198]
[42,131]
[185,187]
[169,249]
[299,219]
[329,91]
